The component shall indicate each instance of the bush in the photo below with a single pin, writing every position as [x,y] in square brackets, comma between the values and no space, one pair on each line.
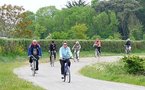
[17,46]
[134,64]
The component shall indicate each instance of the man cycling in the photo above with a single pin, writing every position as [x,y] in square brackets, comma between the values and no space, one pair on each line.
[35,50]
[65,54]
[76,49]
[52,48]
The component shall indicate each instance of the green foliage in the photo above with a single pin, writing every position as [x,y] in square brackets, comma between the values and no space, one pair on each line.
[112,72]
[20,46]
[59,35]
[10,81]
[106,24]
[78,32]
[134,64]
[96,36]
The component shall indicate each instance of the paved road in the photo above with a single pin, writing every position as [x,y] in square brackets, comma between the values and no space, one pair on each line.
[50,79]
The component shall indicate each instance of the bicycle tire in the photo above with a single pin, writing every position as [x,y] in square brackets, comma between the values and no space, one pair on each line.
[52,61]
[33,68]
[67,75]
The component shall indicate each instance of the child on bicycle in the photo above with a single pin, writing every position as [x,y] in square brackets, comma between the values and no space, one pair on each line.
[76,49]
[65,54]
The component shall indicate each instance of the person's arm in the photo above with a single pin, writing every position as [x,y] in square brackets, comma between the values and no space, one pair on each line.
[29,50]
[73,47]
[60,53]
[80,47]
[50,47]
[40,50]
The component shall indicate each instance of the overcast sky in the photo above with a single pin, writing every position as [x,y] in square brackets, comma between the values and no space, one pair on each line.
[34,5]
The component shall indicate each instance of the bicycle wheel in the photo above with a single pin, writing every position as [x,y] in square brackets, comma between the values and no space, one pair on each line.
[52,61]
[67,76]
[33,68]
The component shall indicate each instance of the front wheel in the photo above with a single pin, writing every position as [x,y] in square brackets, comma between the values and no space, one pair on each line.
[67,75]
[33,68]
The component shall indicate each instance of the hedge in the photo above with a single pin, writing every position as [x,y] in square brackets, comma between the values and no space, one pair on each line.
[20,46]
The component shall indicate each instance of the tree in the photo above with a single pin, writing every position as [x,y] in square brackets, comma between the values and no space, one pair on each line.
[122,8]
[79,3]
[106,24]
[22,30]
[78,32]
[10,16]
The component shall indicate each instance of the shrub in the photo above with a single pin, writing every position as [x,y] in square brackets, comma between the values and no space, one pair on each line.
[134,64]
[17,46]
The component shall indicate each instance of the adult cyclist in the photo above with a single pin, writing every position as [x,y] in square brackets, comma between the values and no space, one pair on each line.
[52,48]
[128,46]
[65,54]
[76,49]
[35,50]
[97,45]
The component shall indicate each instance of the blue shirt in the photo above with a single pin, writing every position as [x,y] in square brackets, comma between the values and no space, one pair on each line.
[65,53]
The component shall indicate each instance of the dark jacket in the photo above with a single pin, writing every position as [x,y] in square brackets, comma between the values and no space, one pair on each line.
[128,43]
[52,47]
[32,48]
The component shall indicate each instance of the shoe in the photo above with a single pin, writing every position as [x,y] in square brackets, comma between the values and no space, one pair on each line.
[62,77]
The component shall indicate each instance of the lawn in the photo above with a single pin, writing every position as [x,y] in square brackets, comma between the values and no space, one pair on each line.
[112,72]
[10,81]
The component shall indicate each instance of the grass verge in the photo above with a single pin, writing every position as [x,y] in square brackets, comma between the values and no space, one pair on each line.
[112,72]
[10,81]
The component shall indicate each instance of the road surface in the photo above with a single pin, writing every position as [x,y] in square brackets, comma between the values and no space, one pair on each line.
[49,77]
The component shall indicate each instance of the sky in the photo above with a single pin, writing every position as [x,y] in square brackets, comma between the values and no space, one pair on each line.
[34,5]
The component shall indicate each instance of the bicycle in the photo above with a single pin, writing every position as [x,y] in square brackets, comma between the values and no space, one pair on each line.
[67,74]
[33,68]
[76,56]
[52,58]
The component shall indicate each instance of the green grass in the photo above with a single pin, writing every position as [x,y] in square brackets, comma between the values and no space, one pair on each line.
[10,81]
[112,72]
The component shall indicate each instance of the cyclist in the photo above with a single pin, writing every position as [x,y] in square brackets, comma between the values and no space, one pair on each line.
[35,50]
[52,48]
[76,49]
[65,54]
[97,45]
[128,45]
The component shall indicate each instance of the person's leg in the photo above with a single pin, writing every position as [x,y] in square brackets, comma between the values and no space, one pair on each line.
[30,61]
[54,55]
[37,63]
[78,54]
[50,55]
[62,66]
[99,49]
[69,63]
